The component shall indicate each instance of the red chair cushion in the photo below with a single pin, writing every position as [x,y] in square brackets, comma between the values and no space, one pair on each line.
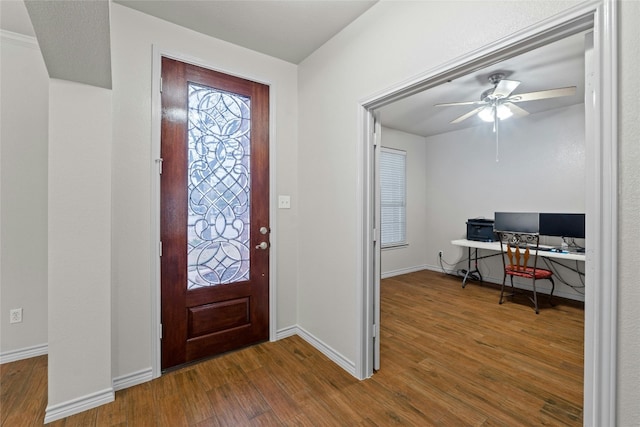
[541,273]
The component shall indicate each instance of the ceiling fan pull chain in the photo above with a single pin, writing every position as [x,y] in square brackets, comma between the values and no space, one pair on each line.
[496,129]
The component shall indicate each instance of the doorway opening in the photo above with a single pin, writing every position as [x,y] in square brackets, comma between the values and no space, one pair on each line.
[600,203]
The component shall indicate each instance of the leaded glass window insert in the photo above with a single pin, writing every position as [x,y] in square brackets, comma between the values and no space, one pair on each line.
[219,125]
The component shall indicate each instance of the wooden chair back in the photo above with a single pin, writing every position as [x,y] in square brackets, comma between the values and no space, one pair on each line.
[520,247]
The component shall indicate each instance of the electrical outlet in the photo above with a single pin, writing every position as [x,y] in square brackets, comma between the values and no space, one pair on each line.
[440,254]
[15,315]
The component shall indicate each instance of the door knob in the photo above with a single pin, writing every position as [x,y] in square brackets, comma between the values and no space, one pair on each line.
[262,245]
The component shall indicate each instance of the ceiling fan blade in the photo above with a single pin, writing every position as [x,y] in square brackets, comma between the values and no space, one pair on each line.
[517,111]
[450,104]
[504,88]
[544,94]
[467,115]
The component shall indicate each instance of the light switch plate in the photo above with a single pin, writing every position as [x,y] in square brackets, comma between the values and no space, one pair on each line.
[284,202]
[15,315]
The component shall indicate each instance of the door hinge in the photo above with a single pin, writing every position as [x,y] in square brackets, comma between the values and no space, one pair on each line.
[160,84]
[160,330]
[375,234]
[160,247]
[159,162]
[374,330]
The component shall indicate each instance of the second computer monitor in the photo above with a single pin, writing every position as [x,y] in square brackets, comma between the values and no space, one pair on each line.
[562,225]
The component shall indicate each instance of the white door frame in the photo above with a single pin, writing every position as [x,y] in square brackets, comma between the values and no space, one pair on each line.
[156,121]
[599,406]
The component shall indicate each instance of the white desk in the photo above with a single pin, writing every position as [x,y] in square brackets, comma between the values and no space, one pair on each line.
[495,247]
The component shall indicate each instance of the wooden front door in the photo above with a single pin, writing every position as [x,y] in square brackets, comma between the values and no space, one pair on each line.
[214,213]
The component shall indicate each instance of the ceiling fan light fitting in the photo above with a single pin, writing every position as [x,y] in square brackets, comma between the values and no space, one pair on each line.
[504,112]
[487,114]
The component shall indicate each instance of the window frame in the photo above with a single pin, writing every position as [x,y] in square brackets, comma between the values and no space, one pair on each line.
[402,223]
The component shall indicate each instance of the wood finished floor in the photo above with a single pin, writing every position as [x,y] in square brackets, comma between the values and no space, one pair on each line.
[450,357]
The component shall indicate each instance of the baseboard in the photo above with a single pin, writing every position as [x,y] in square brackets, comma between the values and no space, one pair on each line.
[286,332]
[81,404]
[23,353]
[323,348]
[439,269]
[543,289]
[134,378]
[387,274]
[498,281]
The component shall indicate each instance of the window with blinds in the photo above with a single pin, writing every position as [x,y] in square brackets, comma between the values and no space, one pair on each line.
[393,197]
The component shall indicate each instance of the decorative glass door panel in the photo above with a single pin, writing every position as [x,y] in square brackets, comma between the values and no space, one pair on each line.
[218,229]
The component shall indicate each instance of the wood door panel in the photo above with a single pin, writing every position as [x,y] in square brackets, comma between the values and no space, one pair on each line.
[210,319]
[215,317]
[221,342]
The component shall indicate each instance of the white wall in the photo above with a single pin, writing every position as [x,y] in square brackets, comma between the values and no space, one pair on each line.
[413,256]
[133,37]
[540,168]
[23,196]
[79,250]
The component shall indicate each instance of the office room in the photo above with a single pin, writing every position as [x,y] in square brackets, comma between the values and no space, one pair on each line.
[454,174]
[533,163]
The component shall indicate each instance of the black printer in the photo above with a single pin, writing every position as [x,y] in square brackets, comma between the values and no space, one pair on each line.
[481,230]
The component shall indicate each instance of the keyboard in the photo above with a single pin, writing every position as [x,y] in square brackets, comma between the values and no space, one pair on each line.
[546,248]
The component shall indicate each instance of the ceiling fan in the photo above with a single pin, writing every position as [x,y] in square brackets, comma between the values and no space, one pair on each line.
[499,102]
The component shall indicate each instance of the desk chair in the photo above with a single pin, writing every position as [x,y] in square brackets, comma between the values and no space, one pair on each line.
[518,248]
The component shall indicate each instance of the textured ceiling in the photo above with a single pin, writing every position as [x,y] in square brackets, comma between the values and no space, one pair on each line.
[74,38]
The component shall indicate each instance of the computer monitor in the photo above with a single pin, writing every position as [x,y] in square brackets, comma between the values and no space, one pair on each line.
[526,222]
[562,225]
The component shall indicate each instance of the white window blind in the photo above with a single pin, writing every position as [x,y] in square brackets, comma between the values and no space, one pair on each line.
[393,195]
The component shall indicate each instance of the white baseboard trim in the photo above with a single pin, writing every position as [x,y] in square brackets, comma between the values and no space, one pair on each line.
[387,274]
[439,269]
[81,404]
[544,288]
[286,332]
[134,378]
[24,353]
[323,348]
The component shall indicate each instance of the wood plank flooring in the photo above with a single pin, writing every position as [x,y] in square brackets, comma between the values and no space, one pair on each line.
[450,357]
